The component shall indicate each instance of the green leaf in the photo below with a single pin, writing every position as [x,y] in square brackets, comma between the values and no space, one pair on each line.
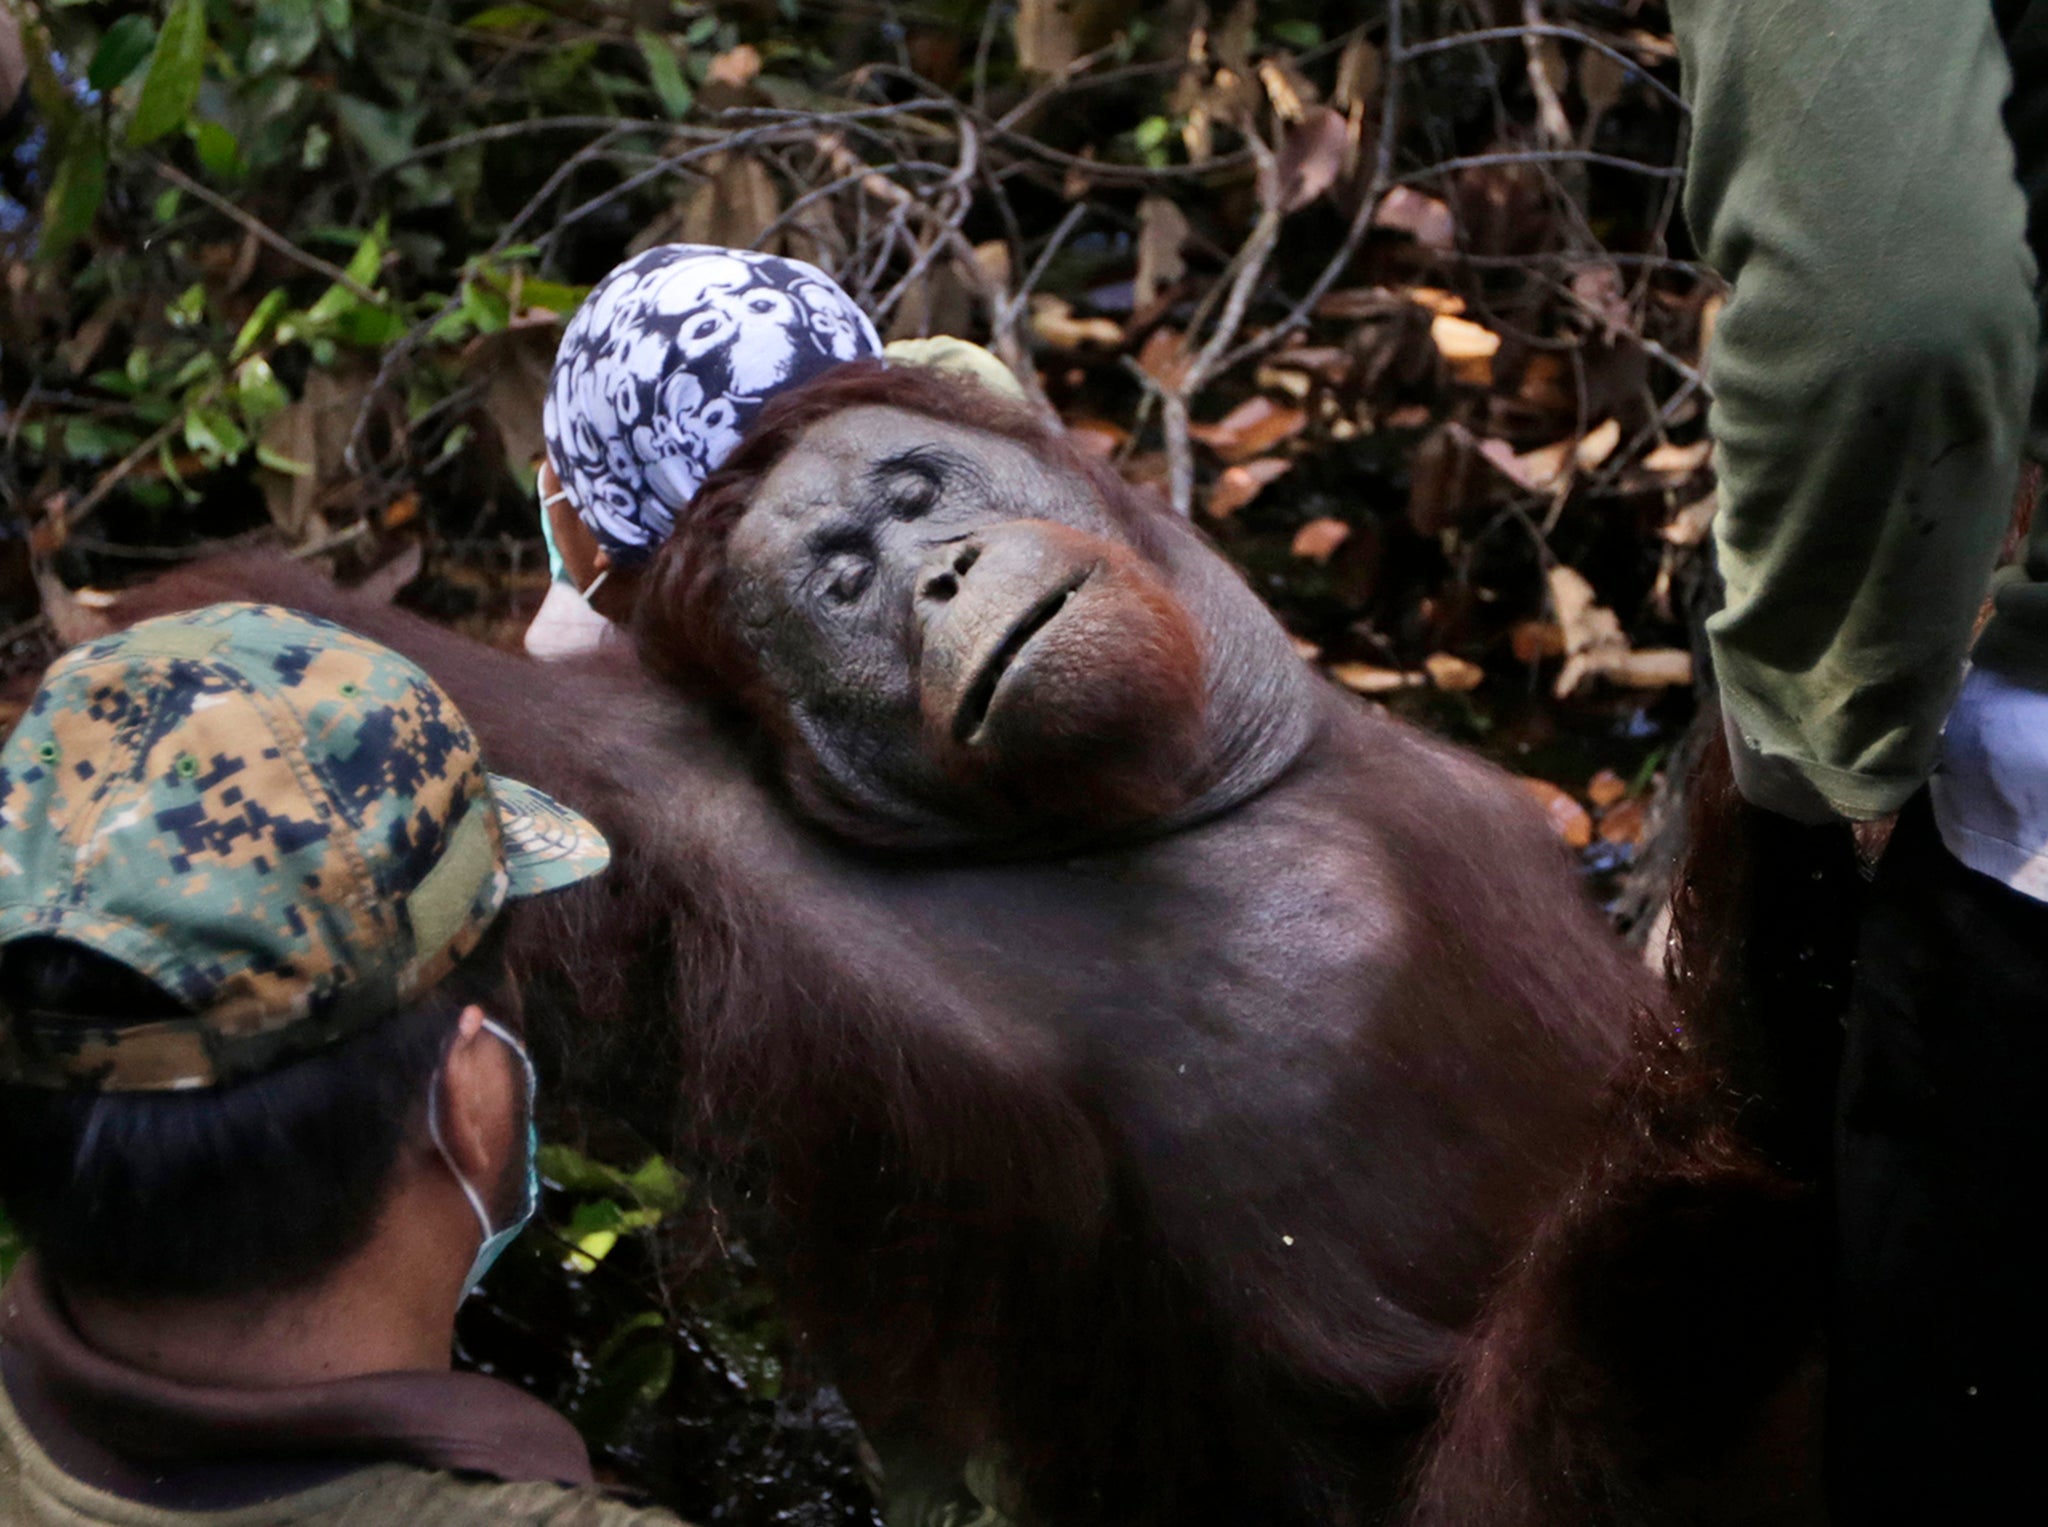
[594,1229]
[258,391]
[386,135]
[95,440]
[172,84]
[277,461]
[634,1367]
[665,72]
[487,311]
[214,435]
[219,154]
[121,51]
[362,268]
[168,463]
[258,323]
[74,196]
[371,328]
[1300,35]
[506,18]
[188,308]
[284,36]
[339,17]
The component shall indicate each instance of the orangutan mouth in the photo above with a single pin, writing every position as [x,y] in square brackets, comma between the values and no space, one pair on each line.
[981,694]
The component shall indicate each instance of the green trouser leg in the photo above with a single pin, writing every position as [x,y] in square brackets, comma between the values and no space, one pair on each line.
[1851,174]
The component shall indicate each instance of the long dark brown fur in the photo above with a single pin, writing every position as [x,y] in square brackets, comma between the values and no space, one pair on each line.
[1653,1359]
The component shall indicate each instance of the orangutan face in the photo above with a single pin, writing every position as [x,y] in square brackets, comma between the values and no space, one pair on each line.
[957,626]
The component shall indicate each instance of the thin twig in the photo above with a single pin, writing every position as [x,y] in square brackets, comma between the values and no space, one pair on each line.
[1368,203]
[1442,167]
[263,233]
[1565,34]
[77,513]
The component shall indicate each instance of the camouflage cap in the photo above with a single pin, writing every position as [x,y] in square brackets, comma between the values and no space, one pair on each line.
[285,826]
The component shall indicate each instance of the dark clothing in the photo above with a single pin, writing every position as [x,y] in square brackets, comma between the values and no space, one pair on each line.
[1941,1339]
[76,1425]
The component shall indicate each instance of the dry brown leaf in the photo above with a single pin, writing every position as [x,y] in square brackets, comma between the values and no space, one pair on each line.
[1423,218]
[1045,36]
[1547,385]
[1239,485]
[736,67]
[1534,640]
[1596,647]
[1652,668]
[73,619]
[1295,384]
[1568,819]
[1689,526]
[1319,539]
[1354,302]
[1624,824]
[1305,649]
[1098,437]
[1440,302]
[734,206]
[1164,357]
[1600,80]
[992,259]
[314,432]
[1537,471]
[518,363]
[1358,74]
[1679,460]
[1710,315]
[1605,788]
[1252,428]
[1052,318]
[1467,346]
[1311,157]
[1365,679]
[1452,673]
[1443,483]
[402,510]
[1596,445]
[1162,236]
[1651,48]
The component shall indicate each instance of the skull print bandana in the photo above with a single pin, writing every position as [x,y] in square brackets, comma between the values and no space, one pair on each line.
[664,367]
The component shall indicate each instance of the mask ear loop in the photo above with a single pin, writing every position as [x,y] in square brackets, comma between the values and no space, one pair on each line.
[476,1202]
[561,496]
[504,1037]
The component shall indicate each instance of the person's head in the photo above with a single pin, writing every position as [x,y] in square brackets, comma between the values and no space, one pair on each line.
[657,377]
[252,968]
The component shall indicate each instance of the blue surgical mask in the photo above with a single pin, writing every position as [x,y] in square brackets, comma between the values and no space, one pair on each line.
[494,1241]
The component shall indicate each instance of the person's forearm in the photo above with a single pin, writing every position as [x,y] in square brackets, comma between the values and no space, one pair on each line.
[1851,176]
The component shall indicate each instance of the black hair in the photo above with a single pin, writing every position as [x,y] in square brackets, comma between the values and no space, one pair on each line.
[260,1185]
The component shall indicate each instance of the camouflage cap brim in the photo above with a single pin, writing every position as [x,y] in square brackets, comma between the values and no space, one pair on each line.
[546,845]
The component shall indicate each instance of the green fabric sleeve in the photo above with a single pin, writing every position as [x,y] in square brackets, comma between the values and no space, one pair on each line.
[1852,178]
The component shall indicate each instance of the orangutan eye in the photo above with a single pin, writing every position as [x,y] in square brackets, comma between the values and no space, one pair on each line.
[912,496]
[846,577]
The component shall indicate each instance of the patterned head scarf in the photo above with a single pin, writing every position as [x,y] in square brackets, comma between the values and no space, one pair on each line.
[664,367]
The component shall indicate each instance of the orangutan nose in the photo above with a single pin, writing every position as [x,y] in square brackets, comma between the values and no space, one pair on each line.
[946,569]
